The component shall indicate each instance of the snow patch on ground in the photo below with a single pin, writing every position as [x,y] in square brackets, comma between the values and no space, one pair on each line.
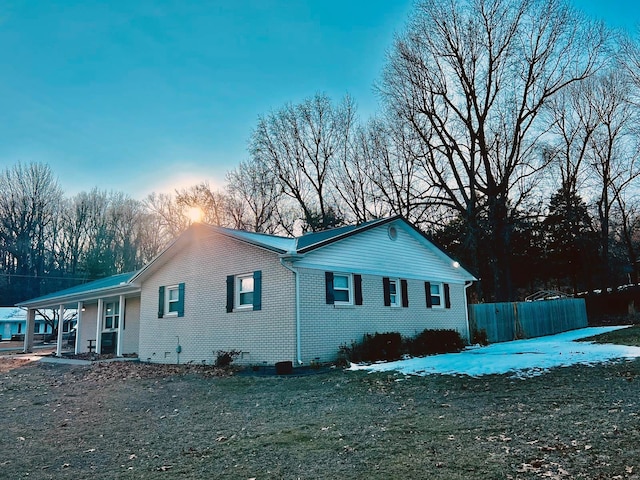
[523,358]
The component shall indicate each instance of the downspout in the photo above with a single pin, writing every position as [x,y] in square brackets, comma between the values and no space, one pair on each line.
[466,310]
[298,336]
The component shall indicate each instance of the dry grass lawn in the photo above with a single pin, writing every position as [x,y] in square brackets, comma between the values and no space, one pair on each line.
[138,421]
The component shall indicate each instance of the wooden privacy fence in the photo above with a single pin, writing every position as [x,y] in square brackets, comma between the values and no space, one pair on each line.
[511,321]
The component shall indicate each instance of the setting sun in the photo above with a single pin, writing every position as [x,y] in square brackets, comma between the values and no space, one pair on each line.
[194,214]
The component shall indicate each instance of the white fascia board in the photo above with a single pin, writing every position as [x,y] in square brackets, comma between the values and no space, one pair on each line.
[439,253]
[83,297]
[453,279]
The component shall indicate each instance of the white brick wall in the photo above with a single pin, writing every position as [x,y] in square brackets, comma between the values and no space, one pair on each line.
[325,327]
[267,335]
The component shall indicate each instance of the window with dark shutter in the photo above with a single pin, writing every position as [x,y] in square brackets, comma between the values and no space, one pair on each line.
[447,296]
[230,295]
[180,305]
[357,286]
[386,291]
[328,280]
[436,294]
[257,290]
[405,293]
[160,302]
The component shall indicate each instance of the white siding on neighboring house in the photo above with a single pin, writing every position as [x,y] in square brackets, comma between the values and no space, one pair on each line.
[373,252]
[325,327]
[267,335]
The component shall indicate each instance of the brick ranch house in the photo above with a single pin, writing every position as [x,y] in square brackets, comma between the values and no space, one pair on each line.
[272,298]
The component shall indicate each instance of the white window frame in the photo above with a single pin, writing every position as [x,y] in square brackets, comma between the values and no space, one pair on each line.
[238,291]
[168,302]
[115,315]
[440,295]
[397,302]
[349,288]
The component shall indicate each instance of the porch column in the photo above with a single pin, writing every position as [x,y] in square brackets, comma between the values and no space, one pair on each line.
[28,334]
[60,329]
[120,326]
[99,326]
[78,326]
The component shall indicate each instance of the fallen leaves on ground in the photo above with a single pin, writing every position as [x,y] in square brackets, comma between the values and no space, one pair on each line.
[136,370]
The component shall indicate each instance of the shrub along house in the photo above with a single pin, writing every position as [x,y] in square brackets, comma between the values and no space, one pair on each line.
[271,298]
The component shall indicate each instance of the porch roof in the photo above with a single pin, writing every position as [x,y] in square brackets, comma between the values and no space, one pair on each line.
[113,285]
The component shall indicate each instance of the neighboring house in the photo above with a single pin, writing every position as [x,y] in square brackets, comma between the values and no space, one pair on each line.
[271,298]
[13,323]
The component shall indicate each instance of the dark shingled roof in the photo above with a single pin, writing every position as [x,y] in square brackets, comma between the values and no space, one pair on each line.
[107,282]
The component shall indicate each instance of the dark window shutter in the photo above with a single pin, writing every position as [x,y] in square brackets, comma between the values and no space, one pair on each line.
[257,290]
[386,291]
[405,293]
[161,302]
[427,290]
[328,280]
[357,285]
[447,296]
[230,281]
[181,300]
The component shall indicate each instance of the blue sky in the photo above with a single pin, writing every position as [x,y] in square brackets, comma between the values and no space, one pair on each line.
[141,96]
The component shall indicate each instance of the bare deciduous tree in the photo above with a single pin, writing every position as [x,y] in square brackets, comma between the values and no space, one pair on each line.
[470,79]
[300,144]
[29,204]
[256,189]
[614,151]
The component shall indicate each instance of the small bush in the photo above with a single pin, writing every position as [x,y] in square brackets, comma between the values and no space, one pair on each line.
[379,346]
[391,346]
[224,358]
[479,337]
[430,342]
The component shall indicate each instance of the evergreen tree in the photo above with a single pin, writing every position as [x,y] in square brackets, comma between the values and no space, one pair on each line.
[570,242]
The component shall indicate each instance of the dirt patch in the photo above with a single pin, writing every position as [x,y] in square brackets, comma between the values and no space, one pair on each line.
[9,363]
[133,420]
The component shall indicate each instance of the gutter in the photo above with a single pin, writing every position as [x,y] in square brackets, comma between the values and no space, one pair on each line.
[296,274]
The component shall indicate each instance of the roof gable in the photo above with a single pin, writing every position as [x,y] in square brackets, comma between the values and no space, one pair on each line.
[311,241]
[410,254]
[273,243]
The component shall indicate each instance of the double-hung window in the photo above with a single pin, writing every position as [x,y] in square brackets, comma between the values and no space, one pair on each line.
[172,298]
[244,291]
[436,295]
[394,298]
[342,289]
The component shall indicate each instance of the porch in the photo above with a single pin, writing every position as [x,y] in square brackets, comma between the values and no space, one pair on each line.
[107,316]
